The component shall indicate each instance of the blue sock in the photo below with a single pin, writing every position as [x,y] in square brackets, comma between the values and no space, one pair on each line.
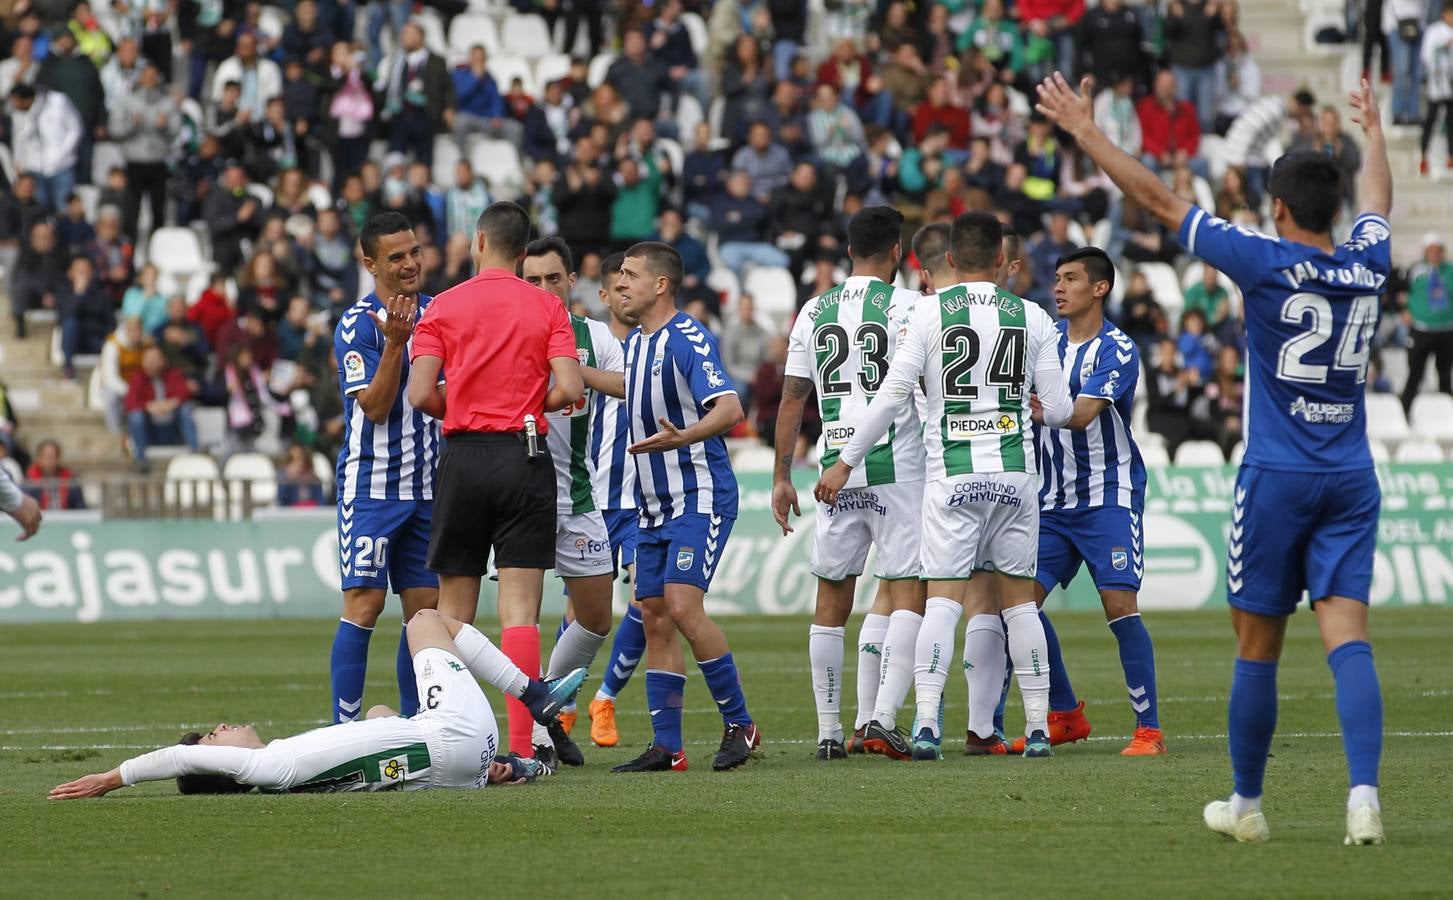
[1359,707]
[348,666]
[408,685]
[1251,721]
[1137,658]
[564,624]
[725,685]
[664,698]
[1061,695]
[626,650]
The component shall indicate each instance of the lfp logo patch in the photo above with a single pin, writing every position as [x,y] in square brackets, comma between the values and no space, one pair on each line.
[1119,559]
[353,366]
[684,558]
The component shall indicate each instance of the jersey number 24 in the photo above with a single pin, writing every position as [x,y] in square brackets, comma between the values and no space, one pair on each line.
[1353,349]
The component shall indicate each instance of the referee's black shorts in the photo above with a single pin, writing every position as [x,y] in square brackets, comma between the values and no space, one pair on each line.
[488,494]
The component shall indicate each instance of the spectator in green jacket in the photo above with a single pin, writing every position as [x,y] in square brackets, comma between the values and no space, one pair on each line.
[1210,297]
[637,201]
[1430,316]
[995,36]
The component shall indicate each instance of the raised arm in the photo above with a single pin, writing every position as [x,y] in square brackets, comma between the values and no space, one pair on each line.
[1075,114]
[1375,189]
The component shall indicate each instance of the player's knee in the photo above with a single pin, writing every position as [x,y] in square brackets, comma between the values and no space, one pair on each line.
[425,616]
[380,711]
[363,606]
[1119,604]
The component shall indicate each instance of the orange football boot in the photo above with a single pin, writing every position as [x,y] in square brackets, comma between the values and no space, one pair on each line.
[1064,728]
[567,720]
[1146,742]
[603,723]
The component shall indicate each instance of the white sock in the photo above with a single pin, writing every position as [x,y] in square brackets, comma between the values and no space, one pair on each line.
[575,649]
[825,650]
[898,648]
[1027,647]
[932,659]
[870,665]
[1363,793]
[984,670]
[488,663]
[540,737]
[1240,805]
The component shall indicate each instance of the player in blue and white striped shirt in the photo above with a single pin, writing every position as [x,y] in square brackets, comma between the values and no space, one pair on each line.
[1092,499]
[680,402]
[386,466]
[615,496]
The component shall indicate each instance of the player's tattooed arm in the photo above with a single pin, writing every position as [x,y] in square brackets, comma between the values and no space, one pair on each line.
[795,393]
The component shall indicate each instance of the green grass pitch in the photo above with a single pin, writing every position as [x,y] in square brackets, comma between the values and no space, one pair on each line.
[76,699]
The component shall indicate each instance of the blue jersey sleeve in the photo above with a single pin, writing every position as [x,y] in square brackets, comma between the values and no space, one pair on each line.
[358,348]
[1117,368]
[1371,243]
[1241,253]
[699,361]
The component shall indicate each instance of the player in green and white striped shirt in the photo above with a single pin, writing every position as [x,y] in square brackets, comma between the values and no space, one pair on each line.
[980,351]
[841,345]
[451,743]
[583,558]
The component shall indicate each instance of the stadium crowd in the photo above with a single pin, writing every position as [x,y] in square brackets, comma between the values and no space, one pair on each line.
[184,181]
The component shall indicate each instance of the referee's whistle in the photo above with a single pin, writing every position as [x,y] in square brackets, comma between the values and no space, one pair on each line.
[532,438]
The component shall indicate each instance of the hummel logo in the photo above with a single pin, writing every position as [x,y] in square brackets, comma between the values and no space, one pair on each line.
[348,336]
[702,349]
[1123,357]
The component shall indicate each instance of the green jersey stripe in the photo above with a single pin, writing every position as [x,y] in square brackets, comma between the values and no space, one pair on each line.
[1011,402]
[582,494]
[372,768]
[958,455]
[880,467]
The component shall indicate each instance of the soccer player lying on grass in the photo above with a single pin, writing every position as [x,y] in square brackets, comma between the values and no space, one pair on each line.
[451,743]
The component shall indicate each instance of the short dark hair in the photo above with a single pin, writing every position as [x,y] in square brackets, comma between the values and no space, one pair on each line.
[22,91]
[507,227]
[1011,237]
[1096,262]
[207,784]
[930,245]
[381,226]
[611,264]
[874,231]
[554,244]
[977,239]
[662,259]
[1310,184]
[1305,97]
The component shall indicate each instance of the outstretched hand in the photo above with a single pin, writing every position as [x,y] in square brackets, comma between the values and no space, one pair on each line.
[784,499]
[397,318]
[96,785]
[1364,105]
[668,438]
[1061,105]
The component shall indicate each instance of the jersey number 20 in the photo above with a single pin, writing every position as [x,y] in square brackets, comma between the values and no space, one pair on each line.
[1353,350]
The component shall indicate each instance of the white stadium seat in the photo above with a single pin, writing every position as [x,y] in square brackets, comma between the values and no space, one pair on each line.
[192,478]
[446,157]
[725,283]
[211,425]
[1154,455]
[688,116]
[1379,451]
[595,75]
[1431,417]
[506,67]
[773,289]
[1165,286]
[176,252]
[1238,453]
[696,28]
[548,68]
[1200,453]
[1385,419]
[257,468]
[433,27]
[469,29]
[1416,451]
[753,458]
[527,36]
[105,156]
[498,163]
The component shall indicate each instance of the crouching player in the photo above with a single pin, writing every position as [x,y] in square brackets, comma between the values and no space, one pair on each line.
[451,743]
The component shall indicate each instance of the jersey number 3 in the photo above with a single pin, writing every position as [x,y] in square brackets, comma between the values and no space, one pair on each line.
[831,344]
[1353,349]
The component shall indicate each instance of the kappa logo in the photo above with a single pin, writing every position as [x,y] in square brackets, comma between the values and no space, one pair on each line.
[456,666]
[713,377]
[685,558]
[353,366]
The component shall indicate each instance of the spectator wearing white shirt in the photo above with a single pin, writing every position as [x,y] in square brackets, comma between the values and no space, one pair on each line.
[21,67]
[1437,59]
[119,75]
[1238,82]
[260,78]
[1115,114]
[46,138]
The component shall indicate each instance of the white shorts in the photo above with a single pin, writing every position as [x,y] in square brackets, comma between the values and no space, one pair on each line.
[582,546]
[886,516]
[988,522]
[457,720]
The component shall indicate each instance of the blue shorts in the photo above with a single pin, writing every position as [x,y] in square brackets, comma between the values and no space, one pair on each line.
[622,525]
[683,550]
[383,542]
[1294,532]
[1107,539]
